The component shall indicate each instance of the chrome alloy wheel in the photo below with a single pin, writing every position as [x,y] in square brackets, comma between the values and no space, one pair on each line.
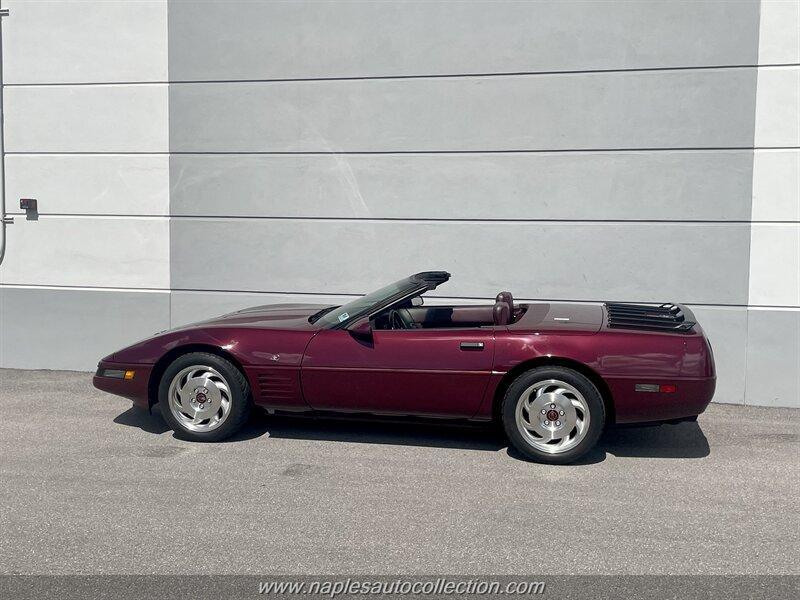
[199,398]
[552,416]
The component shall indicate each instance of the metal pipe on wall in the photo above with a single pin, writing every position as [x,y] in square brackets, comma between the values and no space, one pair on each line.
[3,219]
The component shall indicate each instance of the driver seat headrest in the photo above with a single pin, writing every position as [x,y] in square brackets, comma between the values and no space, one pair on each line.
[501,313]
[507,298]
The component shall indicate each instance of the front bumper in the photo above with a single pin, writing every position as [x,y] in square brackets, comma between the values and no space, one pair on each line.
[135,389]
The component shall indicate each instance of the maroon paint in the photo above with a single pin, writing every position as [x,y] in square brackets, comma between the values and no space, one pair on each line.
[418,371]
[135,389]
[292,365]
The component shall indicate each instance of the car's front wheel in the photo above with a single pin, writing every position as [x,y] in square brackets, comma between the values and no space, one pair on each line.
[204,397]
[553,414]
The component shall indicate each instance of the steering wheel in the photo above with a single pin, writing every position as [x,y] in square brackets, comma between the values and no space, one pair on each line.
[400,318]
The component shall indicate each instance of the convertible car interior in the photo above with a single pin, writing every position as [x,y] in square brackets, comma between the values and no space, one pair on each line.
[412,315]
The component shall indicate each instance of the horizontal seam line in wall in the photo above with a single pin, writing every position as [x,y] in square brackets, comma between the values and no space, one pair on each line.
[424,76]
[88,288]
[390,152]
[273,293]
[397,219]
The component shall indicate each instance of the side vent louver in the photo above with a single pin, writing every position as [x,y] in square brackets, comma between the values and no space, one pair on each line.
[277,387]
[665,317]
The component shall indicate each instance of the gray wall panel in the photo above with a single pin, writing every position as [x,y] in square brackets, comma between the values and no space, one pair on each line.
[773,358]
[695,185]
[46,328]
[657,109]
[694,263]
[304,39]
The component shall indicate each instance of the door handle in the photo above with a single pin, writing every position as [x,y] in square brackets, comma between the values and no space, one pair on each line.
[472,345]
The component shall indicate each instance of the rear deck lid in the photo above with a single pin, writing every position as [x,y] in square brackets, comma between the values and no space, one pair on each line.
[561,317]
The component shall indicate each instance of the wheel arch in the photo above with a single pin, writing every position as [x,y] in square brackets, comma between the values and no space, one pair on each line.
[164,362]
[553,361]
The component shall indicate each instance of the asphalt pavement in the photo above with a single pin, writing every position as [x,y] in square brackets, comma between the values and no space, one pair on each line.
[92,486]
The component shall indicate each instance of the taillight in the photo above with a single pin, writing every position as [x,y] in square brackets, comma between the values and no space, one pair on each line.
[665,388]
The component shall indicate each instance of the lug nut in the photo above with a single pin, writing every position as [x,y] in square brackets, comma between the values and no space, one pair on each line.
[552,406]
[558,423]
[544,412]
[547,422]
[562,413]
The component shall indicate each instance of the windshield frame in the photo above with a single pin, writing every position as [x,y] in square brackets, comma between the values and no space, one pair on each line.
[407,288]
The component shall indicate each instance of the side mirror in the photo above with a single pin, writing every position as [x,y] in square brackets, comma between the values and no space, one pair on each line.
[362,329]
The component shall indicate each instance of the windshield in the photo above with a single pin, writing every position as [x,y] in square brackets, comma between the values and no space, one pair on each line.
[361,305]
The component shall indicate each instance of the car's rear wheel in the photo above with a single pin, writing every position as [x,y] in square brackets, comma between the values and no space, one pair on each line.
[553,414]
[204,397]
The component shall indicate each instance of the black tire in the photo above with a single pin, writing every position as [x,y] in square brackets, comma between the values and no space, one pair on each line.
[590,393]
[241,402]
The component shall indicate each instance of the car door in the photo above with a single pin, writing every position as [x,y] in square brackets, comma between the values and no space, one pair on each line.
[441,372]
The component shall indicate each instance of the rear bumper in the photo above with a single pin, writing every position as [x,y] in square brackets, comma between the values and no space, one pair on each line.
[135,389]
[690,399]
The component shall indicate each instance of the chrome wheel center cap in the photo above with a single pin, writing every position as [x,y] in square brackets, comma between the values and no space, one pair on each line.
[552,415]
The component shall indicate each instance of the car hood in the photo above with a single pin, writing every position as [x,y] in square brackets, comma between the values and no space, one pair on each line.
[227,331]
[270,316]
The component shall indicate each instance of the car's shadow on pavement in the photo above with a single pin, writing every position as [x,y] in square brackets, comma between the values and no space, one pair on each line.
[684,440]
[136,417]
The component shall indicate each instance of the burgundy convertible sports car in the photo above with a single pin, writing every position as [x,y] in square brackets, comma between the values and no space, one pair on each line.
[554,374]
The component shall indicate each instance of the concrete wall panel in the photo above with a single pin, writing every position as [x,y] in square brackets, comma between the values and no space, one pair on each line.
[76,251]
[776,185]
[779,37]
[90,184]
[65,41]
[693,263]
[778,107]
[696,185]
[775,264]
[278,40]
[659,109]
[73,329]
[773,358]
[113,118]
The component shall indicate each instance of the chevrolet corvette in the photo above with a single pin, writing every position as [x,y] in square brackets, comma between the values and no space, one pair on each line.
[554,375]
